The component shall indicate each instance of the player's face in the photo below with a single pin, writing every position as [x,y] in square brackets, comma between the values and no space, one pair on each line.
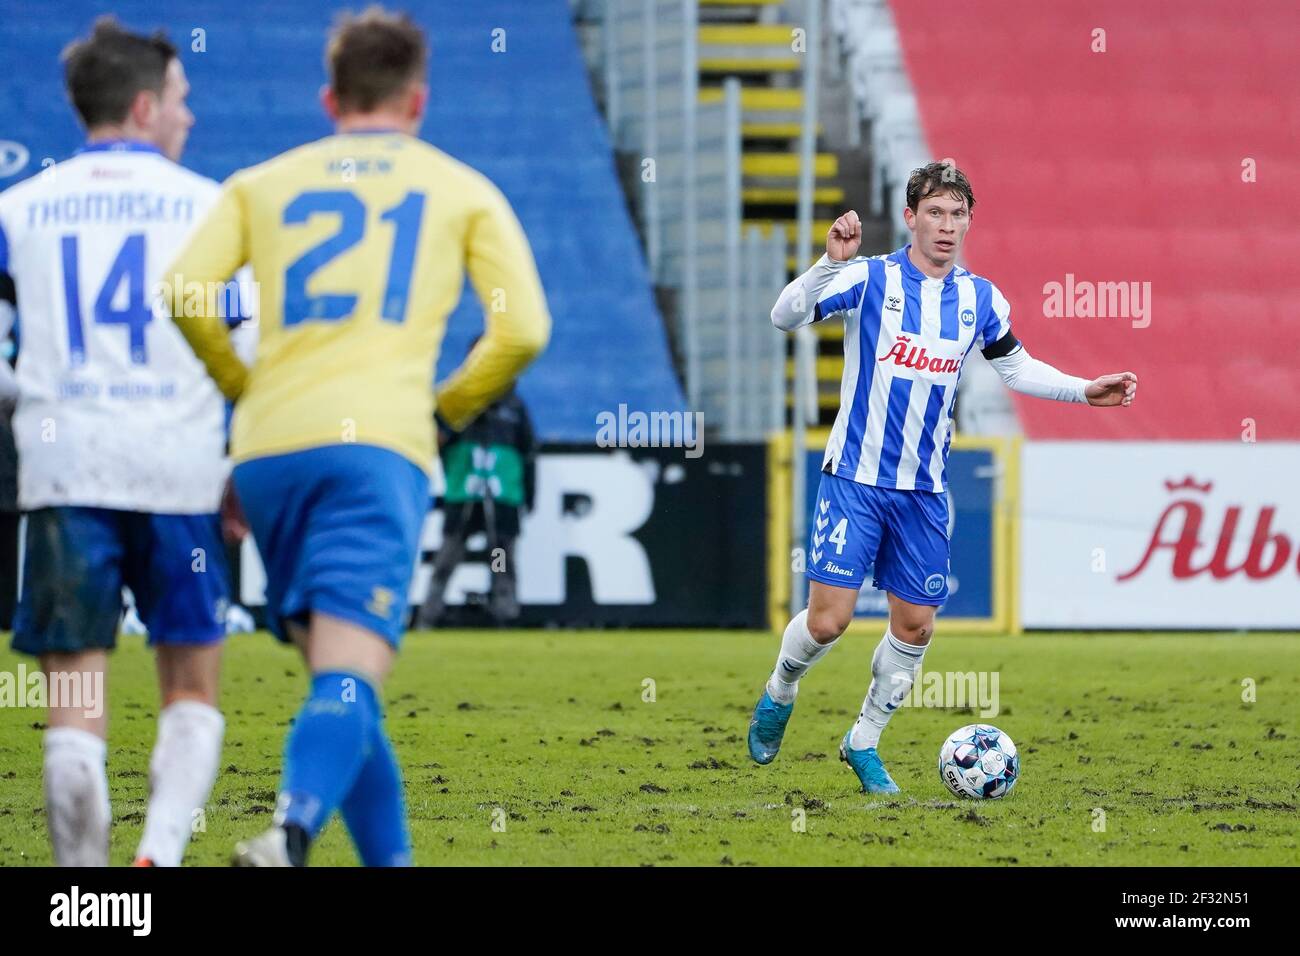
[938,227]
[174,116]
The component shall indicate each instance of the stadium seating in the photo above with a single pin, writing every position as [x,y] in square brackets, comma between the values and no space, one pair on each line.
[1075,157]
[525,117]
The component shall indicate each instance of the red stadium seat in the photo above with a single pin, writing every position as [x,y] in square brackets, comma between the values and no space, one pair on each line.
[1127,166]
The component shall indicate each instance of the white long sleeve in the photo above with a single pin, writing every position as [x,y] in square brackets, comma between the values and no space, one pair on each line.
[796,306]
[1028,376]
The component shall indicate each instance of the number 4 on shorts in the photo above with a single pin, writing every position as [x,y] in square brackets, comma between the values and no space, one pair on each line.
[838,535]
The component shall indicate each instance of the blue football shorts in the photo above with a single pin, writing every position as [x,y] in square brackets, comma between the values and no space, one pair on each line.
[338,528]
[76,561]
[901,537]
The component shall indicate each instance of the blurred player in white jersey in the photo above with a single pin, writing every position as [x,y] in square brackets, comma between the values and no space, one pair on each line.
[121,444]
[910,320]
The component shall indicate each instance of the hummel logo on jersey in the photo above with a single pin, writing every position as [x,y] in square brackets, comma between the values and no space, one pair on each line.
[894,304]
[833,568]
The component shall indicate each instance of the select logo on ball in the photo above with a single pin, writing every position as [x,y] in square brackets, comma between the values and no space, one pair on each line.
[979,761]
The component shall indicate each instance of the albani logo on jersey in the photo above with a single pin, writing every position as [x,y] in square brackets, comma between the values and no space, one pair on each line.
[904,353]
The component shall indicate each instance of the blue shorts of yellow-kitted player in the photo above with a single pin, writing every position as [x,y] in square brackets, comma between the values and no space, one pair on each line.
[338,528]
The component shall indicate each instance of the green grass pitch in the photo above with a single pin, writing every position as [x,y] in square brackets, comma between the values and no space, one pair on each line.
[548,747]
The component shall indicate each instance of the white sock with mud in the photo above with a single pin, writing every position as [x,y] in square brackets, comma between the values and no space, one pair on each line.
[893,669]
[77,811]
[181,773]
[798,653]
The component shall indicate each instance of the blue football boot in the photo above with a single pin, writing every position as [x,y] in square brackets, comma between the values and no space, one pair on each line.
[767,727]
[866,764]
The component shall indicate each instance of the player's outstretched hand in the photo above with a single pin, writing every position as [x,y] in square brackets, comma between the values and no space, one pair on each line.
[845,236]
[1118,388]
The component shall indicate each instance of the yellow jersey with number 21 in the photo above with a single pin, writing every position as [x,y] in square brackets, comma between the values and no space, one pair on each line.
[359,244]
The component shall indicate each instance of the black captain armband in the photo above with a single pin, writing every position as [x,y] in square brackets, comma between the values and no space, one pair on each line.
[8,293]
[1002,347]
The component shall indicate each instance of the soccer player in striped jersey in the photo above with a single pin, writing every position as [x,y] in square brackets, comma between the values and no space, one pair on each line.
[359,243]
[910,319]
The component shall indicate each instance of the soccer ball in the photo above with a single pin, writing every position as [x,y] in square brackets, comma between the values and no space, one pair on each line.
[979,761]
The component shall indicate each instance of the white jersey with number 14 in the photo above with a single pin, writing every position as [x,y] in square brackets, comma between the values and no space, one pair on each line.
[114,410]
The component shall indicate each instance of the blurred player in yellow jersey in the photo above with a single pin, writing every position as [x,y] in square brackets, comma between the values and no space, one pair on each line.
[359,243]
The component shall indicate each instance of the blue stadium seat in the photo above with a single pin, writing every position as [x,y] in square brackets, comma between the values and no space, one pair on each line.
[525,117]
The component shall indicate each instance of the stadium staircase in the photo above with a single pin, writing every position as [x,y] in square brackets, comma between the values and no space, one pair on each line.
[525,117]
[753,41]
[1171,158]
[749,41]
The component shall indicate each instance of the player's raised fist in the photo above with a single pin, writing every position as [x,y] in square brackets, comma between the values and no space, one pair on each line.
[1118,388]
[845,236]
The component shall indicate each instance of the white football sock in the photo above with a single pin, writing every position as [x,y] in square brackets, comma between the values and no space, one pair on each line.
[893,668]
[181,773]
[77,810]
[798,653]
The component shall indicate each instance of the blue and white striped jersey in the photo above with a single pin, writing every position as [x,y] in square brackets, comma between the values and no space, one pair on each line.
[905,338]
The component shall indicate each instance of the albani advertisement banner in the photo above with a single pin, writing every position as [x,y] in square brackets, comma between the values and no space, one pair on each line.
[1177,535]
